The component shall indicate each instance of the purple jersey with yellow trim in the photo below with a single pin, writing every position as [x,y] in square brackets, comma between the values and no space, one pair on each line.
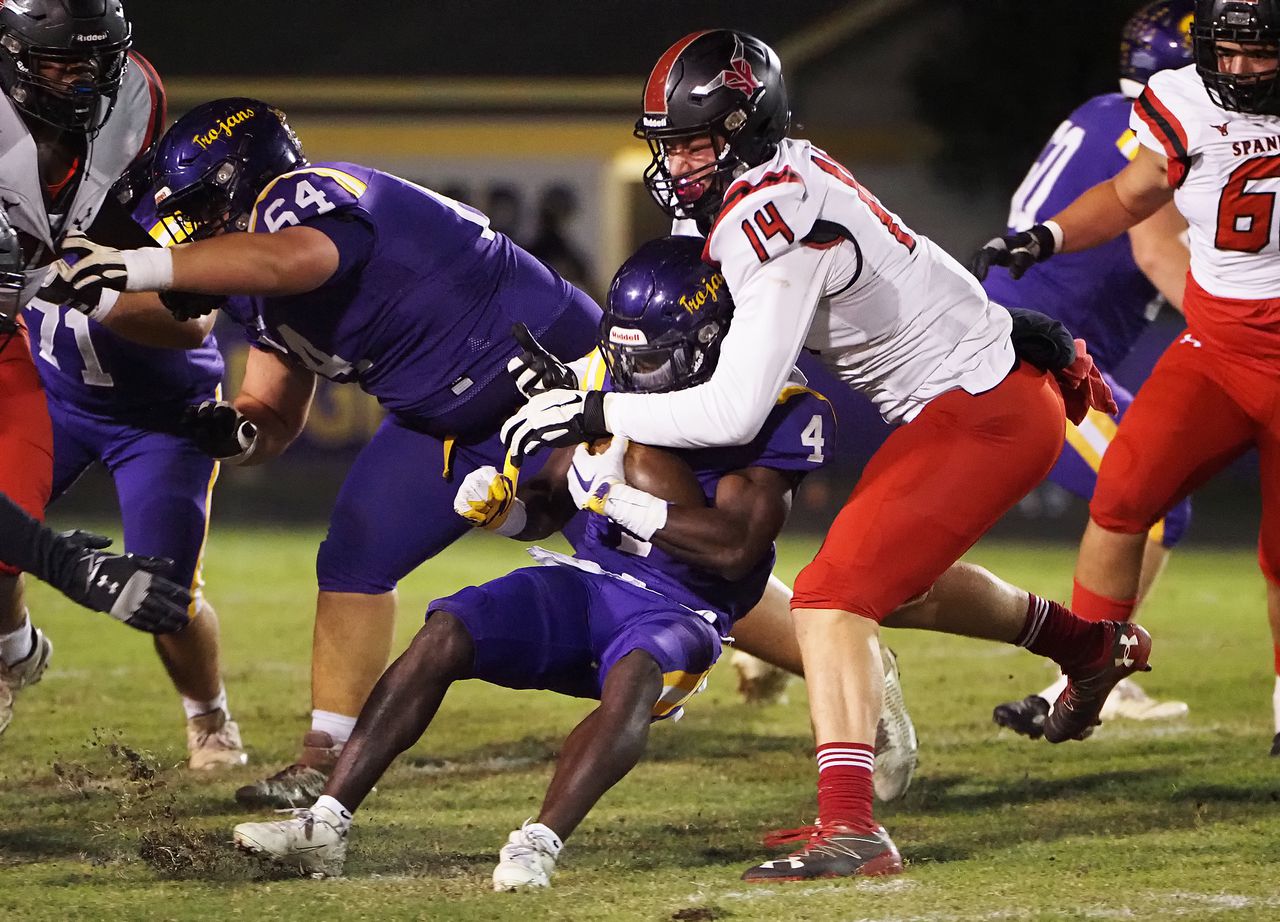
[420,309]
[1100,294]
[799,435]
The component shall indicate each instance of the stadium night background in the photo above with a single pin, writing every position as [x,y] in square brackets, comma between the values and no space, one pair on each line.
[525,112]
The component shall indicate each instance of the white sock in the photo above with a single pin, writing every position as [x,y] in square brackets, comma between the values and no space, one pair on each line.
[338,726]
[195,708]
[1051,693]
[333,806]
[18,644]
[1275,703]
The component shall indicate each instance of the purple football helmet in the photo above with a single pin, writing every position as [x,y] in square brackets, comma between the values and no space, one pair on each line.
[664,319]
[212,165]
[1156,38]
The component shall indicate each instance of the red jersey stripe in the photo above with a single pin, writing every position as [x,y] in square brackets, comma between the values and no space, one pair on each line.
[740,190]
[655,91]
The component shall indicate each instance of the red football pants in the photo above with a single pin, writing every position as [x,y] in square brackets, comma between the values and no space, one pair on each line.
[1200,409]
[26,435]
[932,490]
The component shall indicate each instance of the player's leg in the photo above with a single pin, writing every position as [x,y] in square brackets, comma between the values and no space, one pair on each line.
[908,521]
[165,487]
[1269,549]
[26,472]
[394,510]
[1273,618]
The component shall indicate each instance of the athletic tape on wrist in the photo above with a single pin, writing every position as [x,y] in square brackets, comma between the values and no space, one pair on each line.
[148,269]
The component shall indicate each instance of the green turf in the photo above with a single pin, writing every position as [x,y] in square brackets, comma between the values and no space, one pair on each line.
[1143,821]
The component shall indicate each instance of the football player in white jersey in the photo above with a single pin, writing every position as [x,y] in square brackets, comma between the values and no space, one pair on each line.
[1210,136]
[79,107]
[815,261]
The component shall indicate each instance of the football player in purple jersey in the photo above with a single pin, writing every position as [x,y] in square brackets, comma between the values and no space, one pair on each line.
[121,403]
[634,619]
[346,272]
[1107,296]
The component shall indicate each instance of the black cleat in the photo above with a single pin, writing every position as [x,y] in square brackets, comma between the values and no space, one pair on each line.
[1025,717]
[1275,745]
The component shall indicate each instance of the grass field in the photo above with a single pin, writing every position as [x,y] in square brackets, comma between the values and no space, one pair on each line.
[1142,822]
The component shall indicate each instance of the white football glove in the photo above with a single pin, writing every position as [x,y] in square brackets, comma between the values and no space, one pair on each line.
[554,419]
[487,499]
[101,268]
[591,477]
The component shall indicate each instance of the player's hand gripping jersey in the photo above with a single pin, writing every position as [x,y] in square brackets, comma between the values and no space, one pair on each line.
[815,261]
[1225,168]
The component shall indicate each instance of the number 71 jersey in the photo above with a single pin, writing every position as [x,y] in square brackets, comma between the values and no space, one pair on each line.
[1225,168]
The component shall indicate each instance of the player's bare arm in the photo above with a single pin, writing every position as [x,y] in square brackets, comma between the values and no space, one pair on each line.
[291,261]
[276,397]
[731,537]
[1110,208]
[142,318]
[1160,251]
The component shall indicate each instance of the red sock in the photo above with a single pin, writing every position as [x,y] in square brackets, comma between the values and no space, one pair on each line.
[1277,646]
[844,785]
[1053,631]
[1093,607]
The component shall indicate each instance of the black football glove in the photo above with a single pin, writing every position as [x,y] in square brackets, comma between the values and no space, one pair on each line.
[554,418]
[220,431]
[1019,252]
[1041,341]
[187,306]
[535,369]
[126,587]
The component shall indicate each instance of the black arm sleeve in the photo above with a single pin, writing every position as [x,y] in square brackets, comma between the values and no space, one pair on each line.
[35,549]
[115,227]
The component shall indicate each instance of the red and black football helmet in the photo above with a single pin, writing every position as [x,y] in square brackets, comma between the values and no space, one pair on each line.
[1245,22]
[719,83]
[62,61]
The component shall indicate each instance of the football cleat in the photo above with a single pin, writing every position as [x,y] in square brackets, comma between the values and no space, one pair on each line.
[528,859]
[1076,711]
[27,671]
[314,841]
[835,851]
[213,741]
[290,787]
[897,749]
[1025,717]
[759,682]
[1275,745]
[300,783]
[1128,701]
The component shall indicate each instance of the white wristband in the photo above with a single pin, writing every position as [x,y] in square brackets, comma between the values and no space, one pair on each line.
[148,269]
[106,301]
[638,512]
[514,523]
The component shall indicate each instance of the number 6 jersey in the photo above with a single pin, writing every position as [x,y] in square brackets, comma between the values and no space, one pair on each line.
[1225,168]
[815,261]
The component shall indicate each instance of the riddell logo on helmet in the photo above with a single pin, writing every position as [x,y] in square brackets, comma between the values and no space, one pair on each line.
[90,37]
[223,128]
[738,77]
[625,337]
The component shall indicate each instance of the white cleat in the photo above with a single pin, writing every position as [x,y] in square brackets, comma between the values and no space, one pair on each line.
[313,841]
[528,859]
[897,748]
[23,673]
[1127,700]
[213,741]
[759,682]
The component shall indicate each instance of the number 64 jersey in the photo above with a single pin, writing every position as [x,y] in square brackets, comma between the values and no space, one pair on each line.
[1225,169]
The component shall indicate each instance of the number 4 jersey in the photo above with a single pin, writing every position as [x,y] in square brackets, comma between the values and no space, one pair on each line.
[1225,168]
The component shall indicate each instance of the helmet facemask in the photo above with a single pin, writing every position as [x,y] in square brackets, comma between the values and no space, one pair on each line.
[671,362]
[1252,93]
[699,193]
[207,207]
[42,89]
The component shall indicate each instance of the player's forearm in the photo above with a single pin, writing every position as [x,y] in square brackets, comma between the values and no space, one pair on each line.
[711,540]
[1098,216]
[141,318]
[1160,250]
[276,431]
[548,506]
[289,262]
